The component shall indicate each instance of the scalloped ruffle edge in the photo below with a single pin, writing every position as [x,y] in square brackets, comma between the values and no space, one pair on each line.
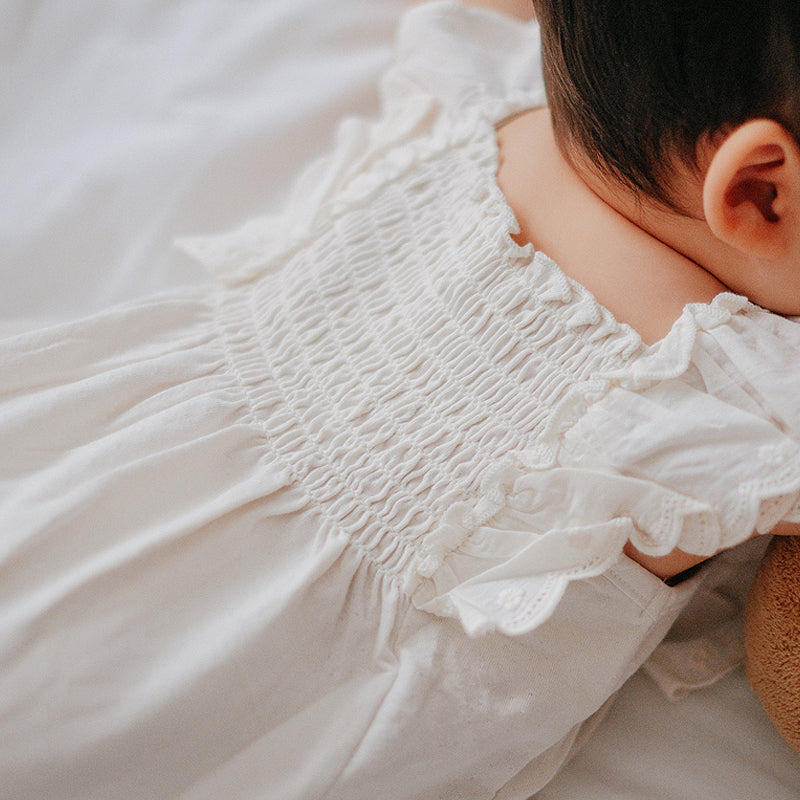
[517,592]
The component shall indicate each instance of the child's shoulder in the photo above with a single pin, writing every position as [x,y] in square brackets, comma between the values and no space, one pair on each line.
[638,279]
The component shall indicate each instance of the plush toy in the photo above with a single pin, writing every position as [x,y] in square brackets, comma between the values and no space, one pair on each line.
[772,636]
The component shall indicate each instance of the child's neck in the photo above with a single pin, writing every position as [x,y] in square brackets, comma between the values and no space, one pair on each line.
[641,280]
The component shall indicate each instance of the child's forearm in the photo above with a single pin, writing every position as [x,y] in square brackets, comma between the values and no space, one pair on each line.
[676,562]
[664,567]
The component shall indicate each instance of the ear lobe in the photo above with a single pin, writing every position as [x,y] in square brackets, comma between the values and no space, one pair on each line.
[751,191]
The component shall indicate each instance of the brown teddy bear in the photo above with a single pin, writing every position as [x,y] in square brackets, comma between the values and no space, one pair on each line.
[772,636]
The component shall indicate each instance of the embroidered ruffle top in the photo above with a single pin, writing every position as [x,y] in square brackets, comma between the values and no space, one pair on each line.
[360,504]
[432,376]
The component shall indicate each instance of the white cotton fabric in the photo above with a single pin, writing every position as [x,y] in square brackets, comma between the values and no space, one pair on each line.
[349,522]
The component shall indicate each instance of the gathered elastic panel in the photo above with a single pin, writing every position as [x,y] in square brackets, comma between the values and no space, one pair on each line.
[392,362]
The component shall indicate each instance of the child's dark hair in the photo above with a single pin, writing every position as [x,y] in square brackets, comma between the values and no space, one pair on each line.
[634,83]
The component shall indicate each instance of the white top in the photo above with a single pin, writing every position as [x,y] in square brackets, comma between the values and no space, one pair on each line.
[350,522]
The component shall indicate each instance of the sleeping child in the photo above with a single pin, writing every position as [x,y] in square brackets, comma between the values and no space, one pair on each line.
[395,504]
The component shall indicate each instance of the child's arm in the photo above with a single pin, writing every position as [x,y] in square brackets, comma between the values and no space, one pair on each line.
[676,562]
[664,567]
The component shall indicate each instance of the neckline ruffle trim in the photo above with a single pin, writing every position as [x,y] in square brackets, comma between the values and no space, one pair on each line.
[516,591]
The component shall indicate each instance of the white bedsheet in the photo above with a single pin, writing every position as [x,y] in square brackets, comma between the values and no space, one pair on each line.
[126,123]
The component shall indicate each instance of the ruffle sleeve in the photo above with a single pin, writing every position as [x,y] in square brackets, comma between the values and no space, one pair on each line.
[695,446]
[453,64]
[466,57]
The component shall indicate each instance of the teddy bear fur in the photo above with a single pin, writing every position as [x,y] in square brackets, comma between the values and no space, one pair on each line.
[772,636]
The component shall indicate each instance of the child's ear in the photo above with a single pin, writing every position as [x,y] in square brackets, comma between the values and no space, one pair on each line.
[751,191]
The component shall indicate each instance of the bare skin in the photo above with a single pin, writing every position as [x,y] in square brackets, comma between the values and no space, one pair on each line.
[741,232]
[523,9]
[605,253]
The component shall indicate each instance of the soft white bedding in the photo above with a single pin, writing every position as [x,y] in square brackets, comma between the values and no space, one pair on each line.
[126,123]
